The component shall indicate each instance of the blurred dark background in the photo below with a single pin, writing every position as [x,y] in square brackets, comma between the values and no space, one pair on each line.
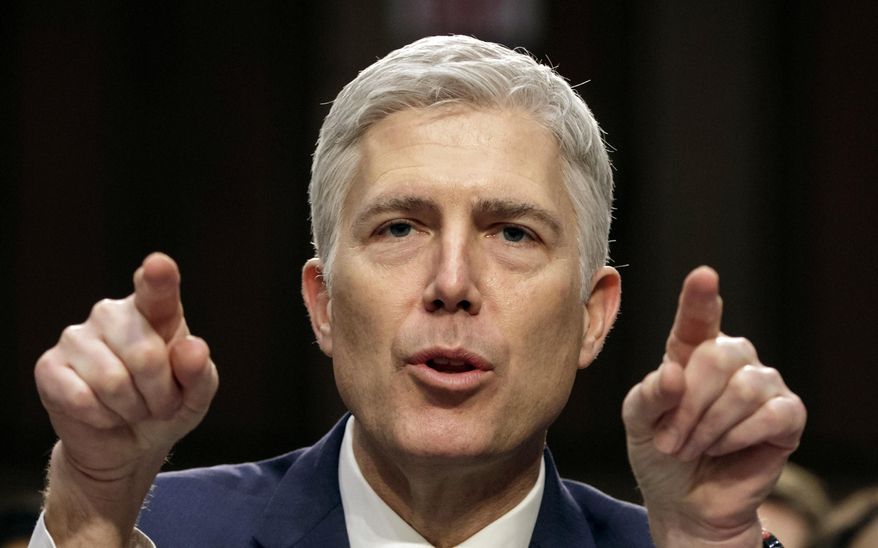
[744,137]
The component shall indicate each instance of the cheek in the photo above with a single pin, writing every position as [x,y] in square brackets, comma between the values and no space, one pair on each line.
[366,316]
[546,335]
[547,317]
[352,324]
[366,306]
[357,351]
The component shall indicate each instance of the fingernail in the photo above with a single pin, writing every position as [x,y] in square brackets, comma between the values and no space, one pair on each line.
[666,440]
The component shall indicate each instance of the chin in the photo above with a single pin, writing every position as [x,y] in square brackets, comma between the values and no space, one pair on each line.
[446,454]
[438,437]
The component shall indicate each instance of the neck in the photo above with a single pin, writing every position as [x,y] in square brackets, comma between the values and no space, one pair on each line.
[449,502]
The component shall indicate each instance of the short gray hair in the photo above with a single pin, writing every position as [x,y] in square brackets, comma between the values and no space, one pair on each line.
[442,70]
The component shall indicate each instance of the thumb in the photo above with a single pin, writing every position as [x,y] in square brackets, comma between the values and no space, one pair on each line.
[196,374]
[157,294]
[647,402]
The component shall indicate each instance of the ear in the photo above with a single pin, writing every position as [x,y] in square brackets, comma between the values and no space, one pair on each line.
[318,303]
[599,313]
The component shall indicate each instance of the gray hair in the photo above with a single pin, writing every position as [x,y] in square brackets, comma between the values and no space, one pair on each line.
[442,70]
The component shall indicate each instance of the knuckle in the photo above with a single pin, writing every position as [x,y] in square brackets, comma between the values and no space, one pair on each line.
[799,405]
[43,374]
[788,411]
[776,418]
[71,336]
[146,358]
[739,348]
[772,376]
[755,384]
[114,384]
[746,347]
[745,385]
[80,402]
[713,356]
[777,412]
[801,414]
[103,311]
[213,378]
[725,354]
[756,375]
[45,363]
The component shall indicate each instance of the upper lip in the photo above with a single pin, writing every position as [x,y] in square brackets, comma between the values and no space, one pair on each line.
[452,355]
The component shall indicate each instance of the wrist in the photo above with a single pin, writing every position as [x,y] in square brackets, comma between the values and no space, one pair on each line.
[685,534]
[86,509]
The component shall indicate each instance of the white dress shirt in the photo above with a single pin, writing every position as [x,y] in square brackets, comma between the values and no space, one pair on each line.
[372,524]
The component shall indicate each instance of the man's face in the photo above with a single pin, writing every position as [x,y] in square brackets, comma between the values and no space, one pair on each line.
[455,323]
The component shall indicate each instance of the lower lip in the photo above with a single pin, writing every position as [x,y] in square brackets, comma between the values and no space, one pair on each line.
[455,382]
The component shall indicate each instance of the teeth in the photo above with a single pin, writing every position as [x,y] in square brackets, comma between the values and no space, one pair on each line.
[446,361]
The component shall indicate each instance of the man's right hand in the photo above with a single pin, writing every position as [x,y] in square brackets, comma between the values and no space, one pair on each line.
[120,390]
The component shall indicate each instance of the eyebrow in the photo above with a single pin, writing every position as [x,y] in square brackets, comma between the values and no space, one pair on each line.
[496,208]
[511,209]
[403,203]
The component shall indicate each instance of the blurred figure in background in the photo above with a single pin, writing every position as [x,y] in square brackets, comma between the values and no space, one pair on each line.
[796,507]
[853,523]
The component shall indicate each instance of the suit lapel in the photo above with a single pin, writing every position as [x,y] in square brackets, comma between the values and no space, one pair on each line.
[306,509]
[560,521]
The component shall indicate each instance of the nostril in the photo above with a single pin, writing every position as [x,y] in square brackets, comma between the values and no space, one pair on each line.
[439,304]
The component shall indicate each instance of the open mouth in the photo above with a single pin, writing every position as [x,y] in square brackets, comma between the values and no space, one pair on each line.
[445,365]
[442,370]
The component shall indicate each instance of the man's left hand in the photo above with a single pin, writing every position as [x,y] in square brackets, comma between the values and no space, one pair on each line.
[710,429]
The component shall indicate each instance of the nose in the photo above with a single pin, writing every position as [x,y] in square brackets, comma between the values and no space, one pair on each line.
[454,282]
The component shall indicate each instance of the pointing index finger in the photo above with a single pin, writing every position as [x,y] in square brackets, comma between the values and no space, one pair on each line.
[699,313]
[157,294]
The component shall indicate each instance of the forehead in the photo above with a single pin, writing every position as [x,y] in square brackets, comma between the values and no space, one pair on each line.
[460,153]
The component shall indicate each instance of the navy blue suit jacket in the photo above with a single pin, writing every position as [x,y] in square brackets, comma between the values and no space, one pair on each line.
[294,500]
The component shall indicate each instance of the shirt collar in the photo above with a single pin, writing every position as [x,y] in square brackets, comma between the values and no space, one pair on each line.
[371,523]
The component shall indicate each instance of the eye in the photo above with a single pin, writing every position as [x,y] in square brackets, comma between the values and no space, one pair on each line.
[514,234]
[398,229]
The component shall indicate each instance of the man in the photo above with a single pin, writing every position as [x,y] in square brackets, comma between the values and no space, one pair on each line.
[460,205]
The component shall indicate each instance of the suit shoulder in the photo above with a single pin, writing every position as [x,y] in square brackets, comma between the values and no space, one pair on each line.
[215,506]
[244,478]
[615,522]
